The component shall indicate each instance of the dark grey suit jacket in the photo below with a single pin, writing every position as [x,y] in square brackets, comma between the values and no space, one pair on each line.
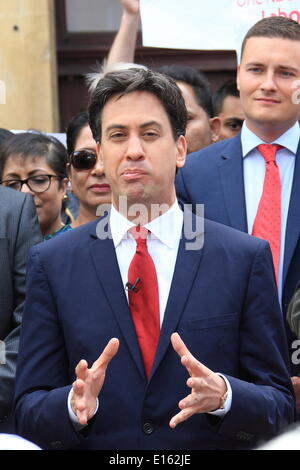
[19,230]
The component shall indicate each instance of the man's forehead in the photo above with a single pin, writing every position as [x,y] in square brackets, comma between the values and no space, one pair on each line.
[141,106]
[259,45]
[127,97]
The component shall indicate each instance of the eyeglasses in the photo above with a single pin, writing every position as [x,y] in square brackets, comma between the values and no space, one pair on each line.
[83,159]
[36,184]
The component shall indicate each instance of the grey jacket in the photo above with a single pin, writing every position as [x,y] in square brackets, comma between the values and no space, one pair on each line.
[19,230]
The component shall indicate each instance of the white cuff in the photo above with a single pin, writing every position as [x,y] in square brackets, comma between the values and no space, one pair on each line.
[227,404]
[73,416]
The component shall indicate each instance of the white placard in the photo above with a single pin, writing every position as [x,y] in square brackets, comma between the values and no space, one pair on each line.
[207,24]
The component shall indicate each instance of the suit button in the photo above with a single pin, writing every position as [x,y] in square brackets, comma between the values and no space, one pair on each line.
[148,428]
[244,436]
[56,445]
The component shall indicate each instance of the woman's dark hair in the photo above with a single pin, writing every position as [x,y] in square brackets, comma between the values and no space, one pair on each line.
[75,126]
[27,144]
[4,134]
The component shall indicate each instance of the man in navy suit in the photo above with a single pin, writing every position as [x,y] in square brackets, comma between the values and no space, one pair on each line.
[219,376]
[228,177]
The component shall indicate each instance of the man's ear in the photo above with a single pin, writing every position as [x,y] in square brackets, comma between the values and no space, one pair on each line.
[181,151]
[215,126]
[238,77]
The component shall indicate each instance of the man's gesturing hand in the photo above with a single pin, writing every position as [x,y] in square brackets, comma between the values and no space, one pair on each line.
[89,382]
[207,387]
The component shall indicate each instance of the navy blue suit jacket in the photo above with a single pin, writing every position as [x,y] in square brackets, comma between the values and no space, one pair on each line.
[222,302]
[214,177]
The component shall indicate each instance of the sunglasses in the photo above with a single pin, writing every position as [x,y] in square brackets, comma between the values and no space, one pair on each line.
[83,159]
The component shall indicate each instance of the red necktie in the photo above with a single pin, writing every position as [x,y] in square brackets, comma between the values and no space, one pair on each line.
[267,222]
[143,298]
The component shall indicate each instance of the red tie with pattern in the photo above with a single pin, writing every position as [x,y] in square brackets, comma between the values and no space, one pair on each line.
[267,222]
[143,298]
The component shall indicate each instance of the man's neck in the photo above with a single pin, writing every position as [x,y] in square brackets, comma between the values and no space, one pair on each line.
[141,213]
[268,133]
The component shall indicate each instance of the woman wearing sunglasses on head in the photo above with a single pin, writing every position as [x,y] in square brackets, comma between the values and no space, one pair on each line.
[87,179]
[36,164]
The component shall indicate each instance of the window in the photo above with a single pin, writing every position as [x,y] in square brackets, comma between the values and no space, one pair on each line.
[92,15]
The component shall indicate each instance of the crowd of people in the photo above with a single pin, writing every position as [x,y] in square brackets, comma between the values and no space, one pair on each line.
[148,326]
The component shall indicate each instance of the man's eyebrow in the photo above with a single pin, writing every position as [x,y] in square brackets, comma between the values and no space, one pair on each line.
[257,64]
[115,126]
[288,67]
[235,119]
[151,123]
[142,126]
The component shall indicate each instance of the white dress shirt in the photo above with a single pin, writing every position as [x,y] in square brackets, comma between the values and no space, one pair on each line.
[254,173]
[163,243]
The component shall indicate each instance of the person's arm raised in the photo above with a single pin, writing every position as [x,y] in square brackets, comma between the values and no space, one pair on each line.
[123,47]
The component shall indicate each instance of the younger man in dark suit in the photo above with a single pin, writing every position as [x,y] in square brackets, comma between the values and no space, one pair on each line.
[233,178]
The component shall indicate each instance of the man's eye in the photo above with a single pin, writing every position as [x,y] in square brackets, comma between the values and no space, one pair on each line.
[117,135]
[255,69]
[286,73]
[150,134]
[234,125]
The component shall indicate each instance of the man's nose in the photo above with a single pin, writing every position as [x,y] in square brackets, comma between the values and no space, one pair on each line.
[135,149]
[269,82]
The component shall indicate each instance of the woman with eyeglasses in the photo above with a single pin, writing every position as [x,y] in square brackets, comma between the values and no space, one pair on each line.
[36,164]
[85,171]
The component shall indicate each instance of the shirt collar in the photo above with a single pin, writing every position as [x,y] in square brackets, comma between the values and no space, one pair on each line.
[289,140]
[167,228]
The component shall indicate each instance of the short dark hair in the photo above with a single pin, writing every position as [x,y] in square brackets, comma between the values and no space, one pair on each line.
[75,126]
[273,27]
[229,88]
[194,78]
[137,79]
[27,144]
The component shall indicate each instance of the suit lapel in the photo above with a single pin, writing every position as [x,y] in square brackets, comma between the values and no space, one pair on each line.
[186,267]
[292,232]
[106,265]
[232,181]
